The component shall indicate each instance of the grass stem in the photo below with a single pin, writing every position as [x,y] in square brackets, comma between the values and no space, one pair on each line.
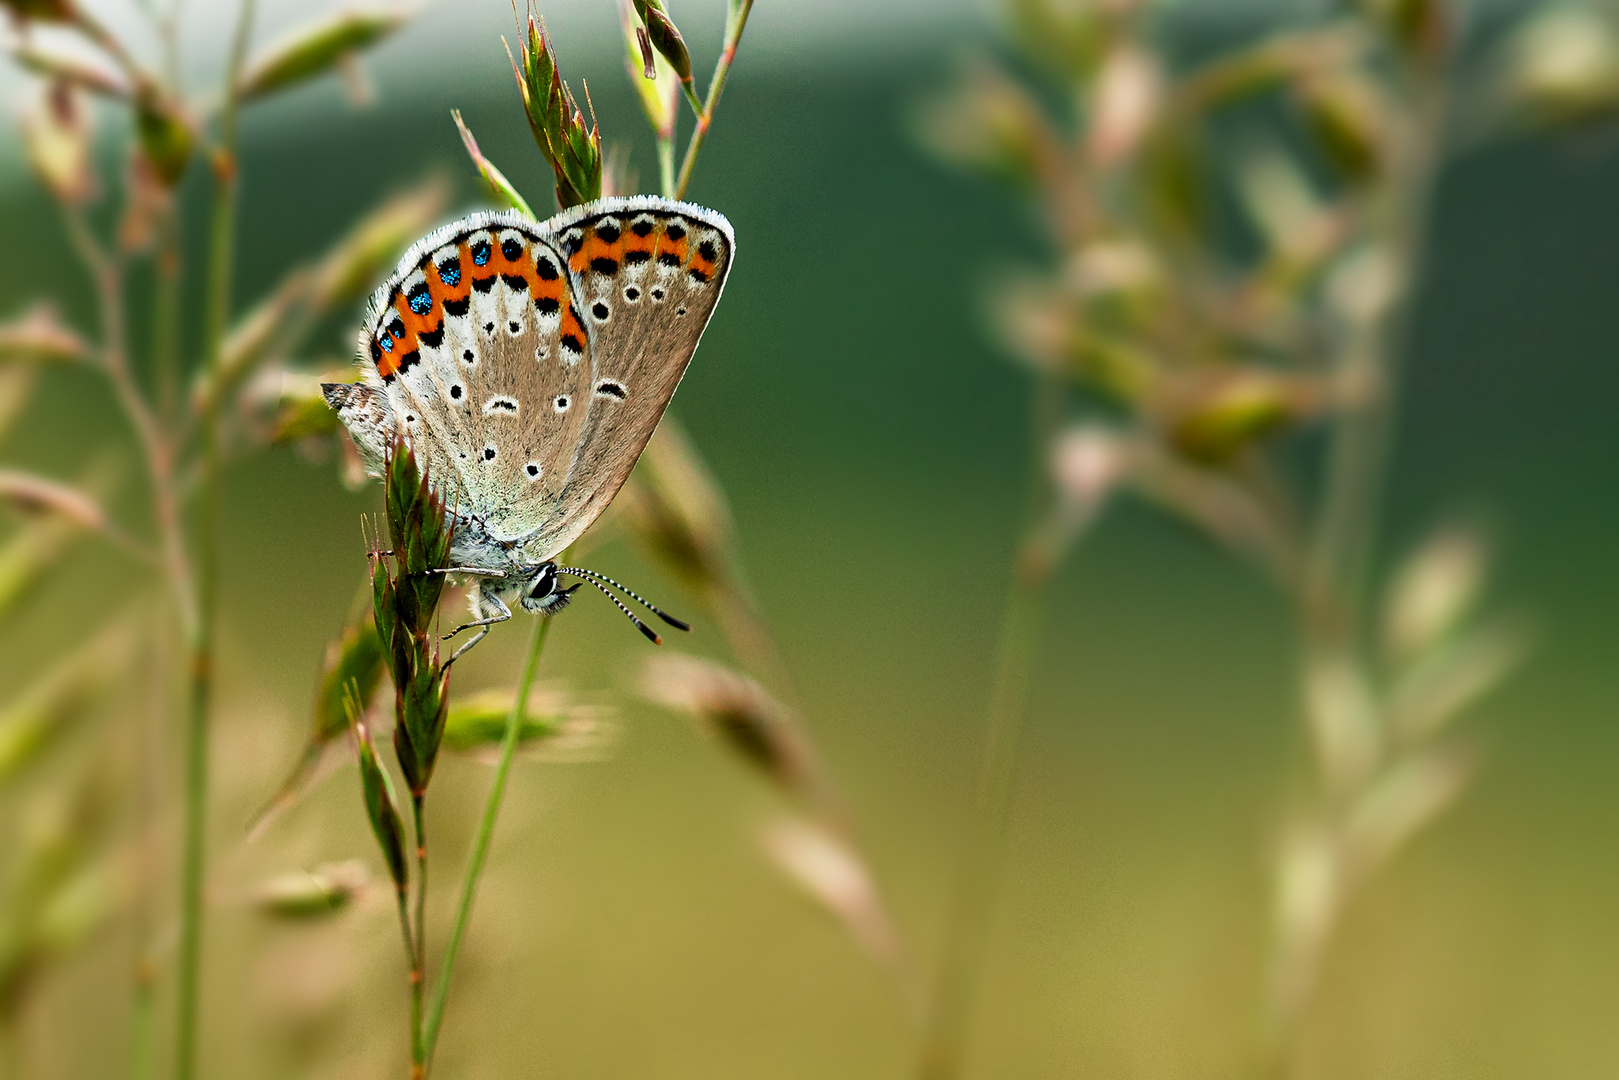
[200,640]
[418,958]
[480,844]
[944,1033]
[736,20]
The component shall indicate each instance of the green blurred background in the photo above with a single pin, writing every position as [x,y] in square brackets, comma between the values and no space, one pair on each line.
[871,439]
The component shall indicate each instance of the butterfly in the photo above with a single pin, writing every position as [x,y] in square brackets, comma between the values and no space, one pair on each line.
[528,363]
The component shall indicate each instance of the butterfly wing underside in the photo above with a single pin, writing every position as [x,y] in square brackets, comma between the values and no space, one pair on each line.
[648,273]
[529,363]
[476,354]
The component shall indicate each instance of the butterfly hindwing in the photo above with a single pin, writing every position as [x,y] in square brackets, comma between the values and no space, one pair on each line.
[648,272]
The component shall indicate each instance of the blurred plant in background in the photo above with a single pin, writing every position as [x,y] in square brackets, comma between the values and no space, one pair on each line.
[126,231]
[1236,247]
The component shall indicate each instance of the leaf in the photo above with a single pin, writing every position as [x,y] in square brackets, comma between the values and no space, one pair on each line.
[382,808]
[315,50]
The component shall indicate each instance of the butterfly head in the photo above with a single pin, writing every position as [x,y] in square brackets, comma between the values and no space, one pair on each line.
[541,593]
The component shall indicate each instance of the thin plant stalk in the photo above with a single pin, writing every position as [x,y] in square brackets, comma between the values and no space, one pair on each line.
[944,1031]
[736,20]
[480,843]
[201,643]
[1332,599]
[415,982]
[944,1024]
[166,313]
[418,960]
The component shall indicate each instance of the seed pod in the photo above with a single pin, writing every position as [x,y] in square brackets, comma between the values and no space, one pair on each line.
[382,808]
[572,150]
[315,50]
[39,337]
[661,32]
[56,137]
[165,138]
[743,714]
[1563,65]
[41,10]
[311,894]
[656,84]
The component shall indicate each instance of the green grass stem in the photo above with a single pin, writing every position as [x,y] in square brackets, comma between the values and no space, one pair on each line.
[480,844]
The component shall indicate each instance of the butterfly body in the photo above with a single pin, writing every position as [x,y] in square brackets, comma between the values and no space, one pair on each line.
[527,363]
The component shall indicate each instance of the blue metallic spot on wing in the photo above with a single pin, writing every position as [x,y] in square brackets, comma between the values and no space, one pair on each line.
[481,252]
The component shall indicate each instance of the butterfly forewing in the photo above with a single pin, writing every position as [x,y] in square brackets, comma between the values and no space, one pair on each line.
[481,356]
[648,273]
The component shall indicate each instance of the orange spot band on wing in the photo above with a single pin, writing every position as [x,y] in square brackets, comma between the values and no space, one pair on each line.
[666,246]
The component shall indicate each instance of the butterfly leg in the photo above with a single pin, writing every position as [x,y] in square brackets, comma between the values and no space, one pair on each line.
[490,602]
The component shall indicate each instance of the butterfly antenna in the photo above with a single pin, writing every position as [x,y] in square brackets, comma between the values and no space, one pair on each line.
[591,575]
[651,634]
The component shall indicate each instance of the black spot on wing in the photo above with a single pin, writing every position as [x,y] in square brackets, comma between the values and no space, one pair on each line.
[636,258]
[642,228]
[547,305]
[545,268]
[607,232]
[512,249]
[516,282]
[432,338]
[603,265]
[457,307]
[484,284]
